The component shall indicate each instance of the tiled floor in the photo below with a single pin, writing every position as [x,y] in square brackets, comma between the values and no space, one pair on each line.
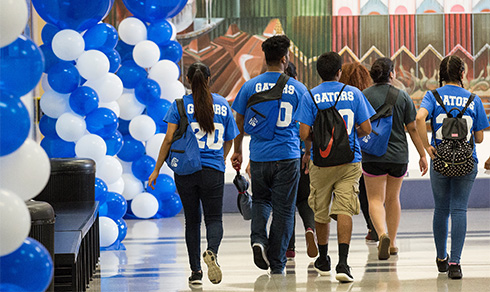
[155,259]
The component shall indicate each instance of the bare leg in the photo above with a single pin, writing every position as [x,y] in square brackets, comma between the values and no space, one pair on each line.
[376,189]
[393,208]
[344,228]
[322,232]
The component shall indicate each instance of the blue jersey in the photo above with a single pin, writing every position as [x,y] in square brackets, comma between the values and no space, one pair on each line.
[454,96]
[210,145]
[285,144]
[352,106]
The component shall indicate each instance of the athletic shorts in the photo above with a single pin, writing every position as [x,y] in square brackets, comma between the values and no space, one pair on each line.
[334,190]
[384,168]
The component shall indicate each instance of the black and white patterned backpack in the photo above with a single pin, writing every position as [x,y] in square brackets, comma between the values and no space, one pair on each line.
[454,154]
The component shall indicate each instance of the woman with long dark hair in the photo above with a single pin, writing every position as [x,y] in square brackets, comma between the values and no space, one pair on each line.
[450,193]
[211,118]
[383,175]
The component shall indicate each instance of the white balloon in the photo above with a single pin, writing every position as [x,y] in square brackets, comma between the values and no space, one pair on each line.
[174,31]
[109,87]
[108,169]
[45,84]
[142,128]
[93,65]
[116,187]
[13,20]
[173,90]
[126,166]
[113,106]
[15,222]
[132,31]
[54,104]
[26,171]
[154,144]
[146,54]
[144,205]
[68,45]
[70,127]
[108,231]
[130,106]
[166,170]
[91,146]
[132,186]
[164,72]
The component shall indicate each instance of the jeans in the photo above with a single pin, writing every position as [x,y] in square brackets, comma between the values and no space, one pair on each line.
[206,187]
[451,198]
[274,186]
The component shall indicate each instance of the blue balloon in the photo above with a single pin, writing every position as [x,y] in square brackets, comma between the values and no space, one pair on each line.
[100,188]
[14,123]
[170,207]
[123,229]
[154,10]
[102,35]
[125,51]
[47,126]
[143,167]
[63,77]
[56,147]
[7,287]
[102,122]
[48,33]
[123,126]
[50,58]
[171,51]
[147,91]
[132,149]
[73,14]
[114,143]
[114,59]
[158,110]
[116,206]
[160,32]
[30,267]
[131,74]
[21,67]
[157,192]
[164,184]
[84,100]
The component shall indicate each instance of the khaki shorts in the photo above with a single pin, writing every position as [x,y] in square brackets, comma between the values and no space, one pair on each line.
[335,185]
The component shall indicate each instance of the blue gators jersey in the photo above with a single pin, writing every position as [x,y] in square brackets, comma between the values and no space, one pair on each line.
[210,145]
[454,96]
[352,106]
[285,144]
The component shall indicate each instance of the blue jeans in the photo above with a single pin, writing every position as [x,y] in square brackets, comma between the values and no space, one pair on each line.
[451,196]
[274,186]
[206,187]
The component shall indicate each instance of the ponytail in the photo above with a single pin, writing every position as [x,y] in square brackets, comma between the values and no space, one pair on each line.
[198,75]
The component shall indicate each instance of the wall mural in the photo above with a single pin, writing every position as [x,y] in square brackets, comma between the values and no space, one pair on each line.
[227,35]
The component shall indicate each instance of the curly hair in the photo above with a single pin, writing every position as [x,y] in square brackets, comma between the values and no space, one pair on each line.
[355,74]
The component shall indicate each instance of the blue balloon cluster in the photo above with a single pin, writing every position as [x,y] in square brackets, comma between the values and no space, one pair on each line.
[154,10]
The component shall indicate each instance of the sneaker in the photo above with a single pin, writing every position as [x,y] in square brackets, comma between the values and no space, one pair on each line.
[290,254]
[323,266]
[214,270]
[371,237]
[311,247]
[195,278]
[384,247]
[343,273]
[393,250]
[455,271]
[443,265]
[260,258]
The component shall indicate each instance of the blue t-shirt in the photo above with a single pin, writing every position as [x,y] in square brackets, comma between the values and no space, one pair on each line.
[285,144]
[225,129]
[454,96]
[352,106]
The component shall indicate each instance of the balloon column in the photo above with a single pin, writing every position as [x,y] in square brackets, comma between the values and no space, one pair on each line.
[25,264]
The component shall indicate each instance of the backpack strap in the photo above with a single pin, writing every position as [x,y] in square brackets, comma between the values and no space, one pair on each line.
[386,109]
[338,97]
[470,100]
[272,94]
[182,128]
[313,100]
[439,101]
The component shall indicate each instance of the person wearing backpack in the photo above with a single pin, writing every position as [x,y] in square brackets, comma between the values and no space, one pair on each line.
[451,193]
[275,157]
[211,119]
[330,117]
[383,175]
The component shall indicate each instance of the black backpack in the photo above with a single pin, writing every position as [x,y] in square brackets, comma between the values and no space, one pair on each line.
[454,155]
[330,139]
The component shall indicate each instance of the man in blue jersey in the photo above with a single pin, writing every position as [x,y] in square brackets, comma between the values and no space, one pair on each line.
[334,189]
[274,163]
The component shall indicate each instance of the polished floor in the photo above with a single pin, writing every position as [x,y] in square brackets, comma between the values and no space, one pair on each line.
[155,259]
